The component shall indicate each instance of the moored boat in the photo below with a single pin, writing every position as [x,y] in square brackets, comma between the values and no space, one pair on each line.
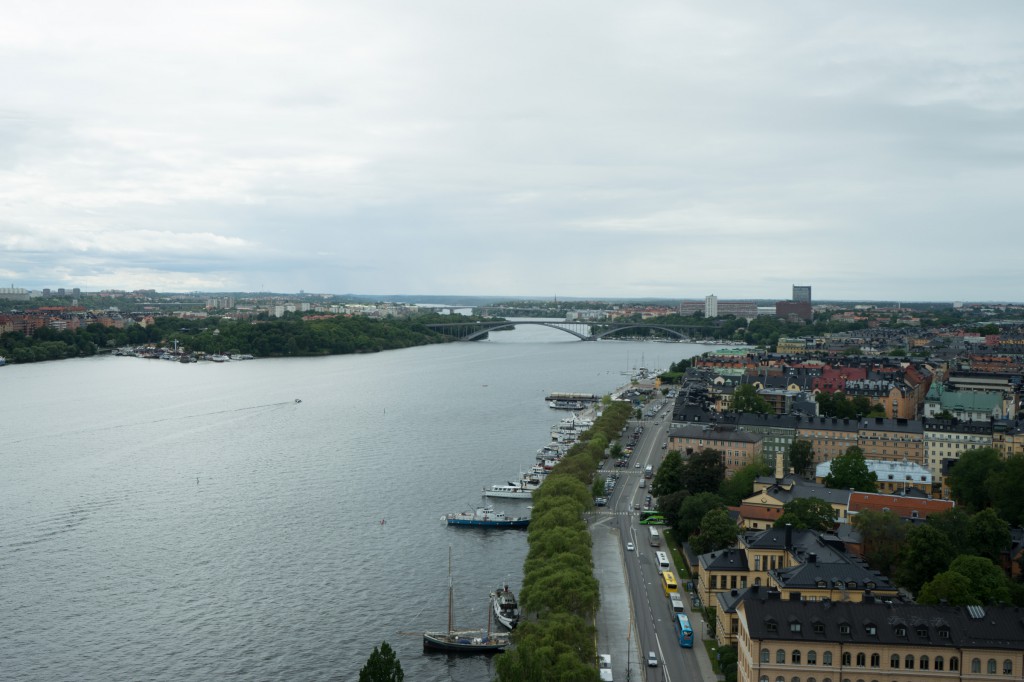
[486,517]
[464,641]
[506,608]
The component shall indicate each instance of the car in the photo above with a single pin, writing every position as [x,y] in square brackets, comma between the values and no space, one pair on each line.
[630,546]
[652,659]
[664,445]
[637,465]
[636,506]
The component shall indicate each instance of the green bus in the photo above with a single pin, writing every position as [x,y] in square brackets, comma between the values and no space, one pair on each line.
[653,520]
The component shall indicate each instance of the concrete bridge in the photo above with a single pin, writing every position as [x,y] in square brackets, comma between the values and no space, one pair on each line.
[470,331]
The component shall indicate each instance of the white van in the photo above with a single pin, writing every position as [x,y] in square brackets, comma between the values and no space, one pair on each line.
[643,482]
[663,560]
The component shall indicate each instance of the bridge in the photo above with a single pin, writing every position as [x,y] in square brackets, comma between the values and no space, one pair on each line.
[471,331]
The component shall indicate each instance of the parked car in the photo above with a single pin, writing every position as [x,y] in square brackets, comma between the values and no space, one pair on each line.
[652,659]
[630,546]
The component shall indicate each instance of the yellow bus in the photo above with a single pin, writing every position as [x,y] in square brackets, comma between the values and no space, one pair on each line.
[668,581]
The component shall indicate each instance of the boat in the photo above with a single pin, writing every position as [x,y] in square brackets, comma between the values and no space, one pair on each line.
[3,361]
[512,491]
[219,358]
[506,608]
[486,517]
[464,641]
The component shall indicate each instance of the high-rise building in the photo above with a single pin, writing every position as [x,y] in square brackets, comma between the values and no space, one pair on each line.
[801,294]
[711,306]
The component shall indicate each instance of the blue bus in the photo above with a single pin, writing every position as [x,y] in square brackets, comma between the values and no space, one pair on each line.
[685,631]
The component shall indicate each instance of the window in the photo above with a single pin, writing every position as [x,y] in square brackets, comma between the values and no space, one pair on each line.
[944,632]
[794,626]
[844,628]
[846,658]
[939,665]
[876,661]
[765,656]
[772,626]
[1007,667]
[780,656]
[901,630]
[954,663]
[860,659]
[922,631]
[909,662]
[796,656]
[819,628]
[764,678]
[870,627]
[923,663]
[991,666]
[812,658]
[894,661]
[975,665]
[826,658]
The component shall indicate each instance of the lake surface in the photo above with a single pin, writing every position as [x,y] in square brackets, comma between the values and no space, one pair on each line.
[163,521]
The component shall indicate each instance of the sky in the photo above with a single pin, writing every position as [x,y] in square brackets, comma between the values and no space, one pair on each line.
[579,148]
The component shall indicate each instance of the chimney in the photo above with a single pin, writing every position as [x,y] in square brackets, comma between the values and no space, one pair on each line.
[812,558]
[778,468]
[789,536]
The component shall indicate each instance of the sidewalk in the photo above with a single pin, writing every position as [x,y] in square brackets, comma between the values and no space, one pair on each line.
[615,634]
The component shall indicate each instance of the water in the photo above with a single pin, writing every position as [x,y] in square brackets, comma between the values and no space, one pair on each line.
[193,522]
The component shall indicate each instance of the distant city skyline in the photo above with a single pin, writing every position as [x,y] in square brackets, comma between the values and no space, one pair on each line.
[603,150]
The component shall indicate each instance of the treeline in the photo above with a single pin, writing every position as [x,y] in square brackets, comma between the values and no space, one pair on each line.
[290,336]
[761,331]
[555,639]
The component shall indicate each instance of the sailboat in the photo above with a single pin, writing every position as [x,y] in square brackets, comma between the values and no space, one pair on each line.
[464,641]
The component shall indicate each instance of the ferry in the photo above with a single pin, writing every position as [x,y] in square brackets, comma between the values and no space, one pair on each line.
[485,517]
[506,608]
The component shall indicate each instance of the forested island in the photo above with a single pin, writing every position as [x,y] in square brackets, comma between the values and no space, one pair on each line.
[290,336]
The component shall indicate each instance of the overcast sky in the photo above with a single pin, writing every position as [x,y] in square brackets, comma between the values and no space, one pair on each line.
[874,150]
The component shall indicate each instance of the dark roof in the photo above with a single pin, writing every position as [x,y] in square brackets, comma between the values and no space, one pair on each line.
[731,559]
[883,623]
[849,575]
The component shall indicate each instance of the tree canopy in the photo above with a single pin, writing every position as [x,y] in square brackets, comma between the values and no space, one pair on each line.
[746,399]
[704,471]
[717,531]
[808,512]
[382,666]
[850,470]
[882,534]
[801,456]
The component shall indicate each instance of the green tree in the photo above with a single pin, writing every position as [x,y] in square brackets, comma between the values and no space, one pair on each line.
[808,512]
[968,478]
[717,531]
[951,587]
[669,477]
[704,472]
[987,534]
[850,470]
[1005,490]
[597,488]
[382,666]
[926,553]
[693,510]
[883,534]
[988,582]
[953,523]
[746,399]
[740,485]
[801,456]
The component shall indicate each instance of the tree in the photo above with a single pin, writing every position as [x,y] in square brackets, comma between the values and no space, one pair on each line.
[382,666]
[717,531]
[1005,491]
[801,456]
[953,588]
[987,534]
[926,553]
[808,512]
[882,534]
[746,399]
[693,510]
[953,523]
[988,583]
[968,478]
[669,478]
[704,472]
[740,485]
[851,471]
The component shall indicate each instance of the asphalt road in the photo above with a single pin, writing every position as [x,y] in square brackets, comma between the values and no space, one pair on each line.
[650,612]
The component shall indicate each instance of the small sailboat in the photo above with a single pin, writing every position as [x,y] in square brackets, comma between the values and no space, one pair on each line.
[464,641]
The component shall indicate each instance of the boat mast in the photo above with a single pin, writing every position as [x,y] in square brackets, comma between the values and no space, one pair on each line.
[451,625]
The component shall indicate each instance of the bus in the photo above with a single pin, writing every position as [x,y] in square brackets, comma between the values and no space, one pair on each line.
[677,602]
[668,581]
[648,471]
[684,630]
[655,537]
[653,520]
[663,560]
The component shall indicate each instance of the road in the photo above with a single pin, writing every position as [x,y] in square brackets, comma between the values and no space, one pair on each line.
[651,614]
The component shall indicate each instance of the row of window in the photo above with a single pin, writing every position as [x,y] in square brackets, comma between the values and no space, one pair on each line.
[923,663]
